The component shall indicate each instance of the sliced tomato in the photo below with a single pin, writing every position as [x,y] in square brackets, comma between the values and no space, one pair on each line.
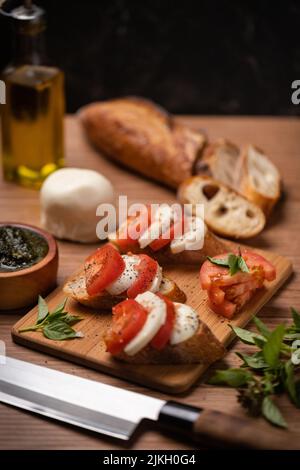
[242,299]
[162,337]
[129,232]
[147,269]
[167,237]
[211,271]
[255,260]
[226,309]
[218,275]
[236,290]
[102,267]
[217,295]
[123,241]
[228,293]
[128,319]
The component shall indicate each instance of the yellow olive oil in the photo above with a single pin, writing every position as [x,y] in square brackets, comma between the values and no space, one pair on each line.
[32,124]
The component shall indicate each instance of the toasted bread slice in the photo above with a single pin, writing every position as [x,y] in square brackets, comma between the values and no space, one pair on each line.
[221,161]
[75,288]
[227,213]
[260,179]
[202,348]
[142,136]
[212,246]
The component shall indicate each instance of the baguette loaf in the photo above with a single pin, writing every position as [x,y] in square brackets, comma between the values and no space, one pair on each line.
[142,136]
[227,213]
[203,348]
[76,289]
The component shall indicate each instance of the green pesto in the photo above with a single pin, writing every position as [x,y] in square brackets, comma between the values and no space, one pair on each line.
[20,248]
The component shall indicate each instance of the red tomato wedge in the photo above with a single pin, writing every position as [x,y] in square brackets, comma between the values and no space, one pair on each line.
[165,237]
[216,295]
[228,294]
[254,260]
[102,267]
[147,269]
[226,309]
[128,319]
[162,337]
[129,232]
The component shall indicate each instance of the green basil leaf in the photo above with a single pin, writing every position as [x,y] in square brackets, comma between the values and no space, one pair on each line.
[256,361]
[231,377]
[272,413]
[272,348]
[42,310]
[55,316]
[296,317]
[60,307]
[219,262]
[59,330]
[233,264]
[289,382]
[242,265]
[71,319]
[259,341]
[246,336]
[291,336]
[262,328]
[268,386]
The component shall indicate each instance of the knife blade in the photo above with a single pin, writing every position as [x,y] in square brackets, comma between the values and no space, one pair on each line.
[117,412]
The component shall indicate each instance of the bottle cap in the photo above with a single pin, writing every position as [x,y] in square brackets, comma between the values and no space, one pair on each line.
[27,18]
[31,13]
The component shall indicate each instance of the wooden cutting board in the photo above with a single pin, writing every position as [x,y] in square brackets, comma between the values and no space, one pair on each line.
[90,350]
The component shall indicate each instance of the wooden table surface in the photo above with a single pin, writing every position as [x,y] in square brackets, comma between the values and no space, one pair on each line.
[280,138]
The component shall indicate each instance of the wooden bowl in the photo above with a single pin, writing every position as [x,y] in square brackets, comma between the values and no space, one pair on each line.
[22,287]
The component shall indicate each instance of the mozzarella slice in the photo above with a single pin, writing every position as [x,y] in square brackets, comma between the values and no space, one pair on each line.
[157,280]
[186,323]
[130,275]
[192,239]
[163,219]
[127,278]
[152,233]
[157,313]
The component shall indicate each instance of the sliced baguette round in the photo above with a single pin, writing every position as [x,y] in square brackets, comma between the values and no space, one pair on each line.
[76,289]
[226,212]
[221,161]
[202,348]
[260,179]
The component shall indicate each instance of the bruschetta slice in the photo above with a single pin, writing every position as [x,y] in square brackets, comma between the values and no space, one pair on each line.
[168,237]
[231,279]
[151,329]
[109,277]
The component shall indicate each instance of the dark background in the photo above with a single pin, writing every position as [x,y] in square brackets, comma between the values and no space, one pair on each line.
[210,57]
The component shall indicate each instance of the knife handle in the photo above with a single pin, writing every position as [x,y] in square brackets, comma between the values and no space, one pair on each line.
[223,430]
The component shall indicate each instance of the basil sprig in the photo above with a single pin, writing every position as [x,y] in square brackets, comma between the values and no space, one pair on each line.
[269,371]
[55,325]
[234,262]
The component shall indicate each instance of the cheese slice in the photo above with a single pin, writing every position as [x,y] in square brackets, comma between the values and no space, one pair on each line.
[157,313]
[186,323]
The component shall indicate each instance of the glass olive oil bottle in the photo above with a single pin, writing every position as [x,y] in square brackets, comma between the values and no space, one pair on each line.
[32,118]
